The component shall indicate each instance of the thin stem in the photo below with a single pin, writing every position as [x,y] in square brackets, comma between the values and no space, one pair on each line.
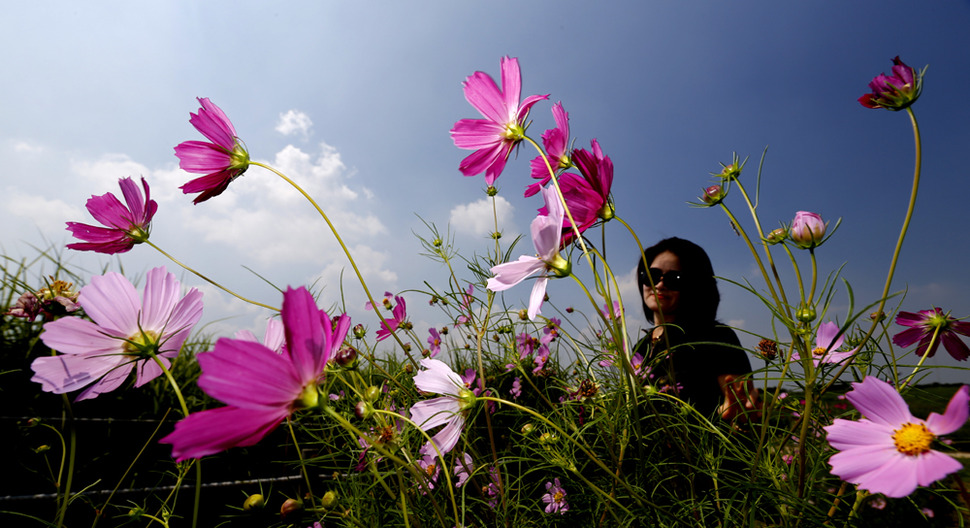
[299,453]
[926,353]
[62,512]
[210,281]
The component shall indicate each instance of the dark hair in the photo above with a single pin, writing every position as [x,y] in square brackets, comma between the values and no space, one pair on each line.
[699,297]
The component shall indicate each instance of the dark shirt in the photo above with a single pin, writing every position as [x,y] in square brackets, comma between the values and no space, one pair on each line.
[697,361]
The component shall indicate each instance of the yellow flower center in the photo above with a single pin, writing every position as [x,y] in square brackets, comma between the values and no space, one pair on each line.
[140,344]
[557,497]
[818,351]
[913,439]
[429,470]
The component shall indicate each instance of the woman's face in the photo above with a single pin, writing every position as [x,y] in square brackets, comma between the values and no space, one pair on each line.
[661,297]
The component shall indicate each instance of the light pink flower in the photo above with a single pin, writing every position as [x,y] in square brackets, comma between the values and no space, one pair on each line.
[430,467]
[449,410]
[924,324]
[827,345]
[888,451]
[556,141]
[463,469]
[555,498]
[101,353]
[260,386]
[494,137]
[274,338]
[222,160]
[546,232]
[807,229]
[434,341]
[125,226]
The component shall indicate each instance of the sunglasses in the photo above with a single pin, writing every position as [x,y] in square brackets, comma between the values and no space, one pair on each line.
[673,280]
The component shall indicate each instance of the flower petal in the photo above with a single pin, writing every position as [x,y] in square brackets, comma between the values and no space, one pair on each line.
[207,432]
[955,415]
[879,402]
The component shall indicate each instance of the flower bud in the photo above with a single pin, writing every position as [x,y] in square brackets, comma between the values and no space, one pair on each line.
[491,190]
[496,235]
[329,499]
[363,410]
[290,506]
[523,315]
[527,429]
[372,393]
[807,229]
[730,172]
[713,195]
[346,357]
[254,501]
[777,236]
[805,314]
[359,331]
[570,309]
[409,368]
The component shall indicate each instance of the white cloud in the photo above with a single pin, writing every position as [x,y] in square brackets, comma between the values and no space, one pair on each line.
[46,214]
[478,218]
[28,148]
[294,122]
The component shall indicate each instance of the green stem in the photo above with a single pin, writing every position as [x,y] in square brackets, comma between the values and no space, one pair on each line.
[350,258]
[926,353]
[62,511]
[210,281]
[299,453]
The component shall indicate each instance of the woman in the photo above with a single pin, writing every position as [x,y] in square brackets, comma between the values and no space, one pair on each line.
[704,363]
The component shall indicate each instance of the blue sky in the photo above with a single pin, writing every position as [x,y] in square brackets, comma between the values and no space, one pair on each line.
[355,100]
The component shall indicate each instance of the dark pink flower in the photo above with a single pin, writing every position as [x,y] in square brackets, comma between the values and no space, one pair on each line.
[924,324]
[122,335]
[434,341]
[587,196]
[894,92]
[494,137]
[125,226]
[222,160]
[261,386]
[399,319]
[556,141]
[888,451]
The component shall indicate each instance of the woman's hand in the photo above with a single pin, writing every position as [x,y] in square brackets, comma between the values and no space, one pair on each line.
[740,398]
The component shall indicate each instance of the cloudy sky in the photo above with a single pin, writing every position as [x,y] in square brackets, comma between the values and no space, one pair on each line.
[354,100]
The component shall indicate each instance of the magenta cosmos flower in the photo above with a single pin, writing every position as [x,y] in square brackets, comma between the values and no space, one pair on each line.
[222,160]
[546,231]
[924,324]
[556,142]
[449,410]
[555,498]
[587,196]
[124,226]
[397,321]
[894,92]
[888,451]
[504,125]
[260,386]
[827,343]
[123,334]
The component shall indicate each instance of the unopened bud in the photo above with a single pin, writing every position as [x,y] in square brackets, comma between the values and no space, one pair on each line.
[777,236]
[254,501]
[713,195]
[346,357]
[363,410]
[527,429]
[805,314]
[372,393]
[290,506]
[359,331]
[491,190]
[523,315]
[409,368]
[329,499]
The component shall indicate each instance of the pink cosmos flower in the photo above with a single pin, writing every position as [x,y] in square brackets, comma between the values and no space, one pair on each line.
[431,468]
[546,232]
[587,196]
[894,92]
[123,333]
[555,498]
[434,341]
[827,345]
[556,141]
[463,469]
[125,226]
[494,137]
[516,389]
[924,324]
[260,386]
[222,160]
[398,319]
[449,410]
[888,451]
[274,338]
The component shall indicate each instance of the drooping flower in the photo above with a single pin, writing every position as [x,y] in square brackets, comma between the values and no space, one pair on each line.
[222,160]
[556,142]
[827,346]
[124,333]
[398,319]
[494,137]
[463,469]
[56,299]
[516,389]
[888,451]
[466,299]
[124,226]
[546,232]
[894,92]
[260,386]
[922,325]
[434,341]
[449,410]
[430,468]
[807,229]
[555,498]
